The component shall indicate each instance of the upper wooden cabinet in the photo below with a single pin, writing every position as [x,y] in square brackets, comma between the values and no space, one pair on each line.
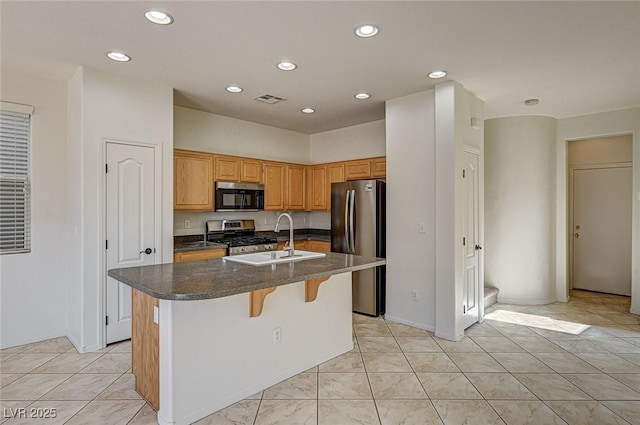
[227,168]
[274,184]
[193,181]
[296,187]
[250,170]
[365,168]
[317,188]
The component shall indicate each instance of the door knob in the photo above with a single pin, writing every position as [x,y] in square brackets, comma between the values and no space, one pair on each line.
[577,235]
[478,247]
[147,251]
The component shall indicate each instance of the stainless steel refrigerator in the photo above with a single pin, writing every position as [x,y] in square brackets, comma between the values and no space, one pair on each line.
[358,226]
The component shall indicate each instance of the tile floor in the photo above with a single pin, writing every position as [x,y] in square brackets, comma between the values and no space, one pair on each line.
[575,363]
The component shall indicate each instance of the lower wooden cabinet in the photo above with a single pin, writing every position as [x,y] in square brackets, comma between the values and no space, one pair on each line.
[145,350]
[320,246]
[205,254]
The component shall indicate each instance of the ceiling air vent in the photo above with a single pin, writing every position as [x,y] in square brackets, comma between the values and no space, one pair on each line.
[269,98]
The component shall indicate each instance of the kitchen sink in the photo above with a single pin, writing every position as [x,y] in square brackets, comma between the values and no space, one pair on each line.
[273,257]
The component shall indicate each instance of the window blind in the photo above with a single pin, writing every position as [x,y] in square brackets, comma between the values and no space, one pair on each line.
[15,188]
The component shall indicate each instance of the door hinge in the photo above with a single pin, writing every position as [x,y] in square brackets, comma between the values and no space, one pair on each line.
[464,309]
[106,320]
[464,241]
[106,168]
[463,173]
[106,244]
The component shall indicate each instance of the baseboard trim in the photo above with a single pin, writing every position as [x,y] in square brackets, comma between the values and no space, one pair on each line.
[409,323]
[519,301]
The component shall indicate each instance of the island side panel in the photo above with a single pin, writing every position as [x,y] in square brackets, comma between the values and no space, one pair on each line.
[145,364]
[213,354]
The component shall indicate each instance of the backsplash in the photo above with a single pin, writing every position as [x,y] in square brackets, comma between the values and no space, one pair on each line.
[265,220]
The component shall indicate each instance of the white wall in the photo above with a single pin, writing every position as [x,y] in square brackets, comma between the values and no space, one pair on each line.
[116,109]
[358,141]
[206,132]
[33,286]
[603,124]
[519,208]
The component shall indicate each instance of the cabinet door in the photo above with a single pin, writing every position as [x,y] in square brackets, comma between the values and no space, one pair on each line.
[319,246]
[227,168]
[273,186]
[335,174]
[192,181]
[205,254]
[250,170]
[317,188]
[379,167]
[360,169]
[295,189]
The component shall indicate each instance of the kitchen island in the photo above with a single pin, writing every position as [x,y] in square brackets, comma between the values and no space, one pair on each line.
[207,334]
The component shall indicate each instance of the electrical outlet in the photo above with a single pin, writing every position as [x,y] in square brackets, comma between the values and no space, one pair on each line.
[414,295]
[421,228]
[187,224]
[277,333]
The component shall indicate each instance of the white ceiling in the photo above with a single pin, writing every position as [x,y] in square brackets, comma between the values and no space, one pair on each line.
[577,57]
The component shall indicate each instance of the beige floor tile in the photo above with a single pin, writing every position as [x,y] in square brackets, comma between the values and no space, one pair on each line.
[120,347]
[431,362]
[67,363]
[242,413]
[386,362]
[312,370]
[407,412]
[18,348]
[378,344]
[629,410]
[585,413]
[476,362]
[623,331]
[81,387]
[602,387]
[396,386]
[633,358]
[547,386]
[400,329]
[623,318]
[617,345]
[417,344]
[510,329]
[609,363]
[49,412]
[346,412]
[565,363]
[25,363]
[122,389]
[287,412]
[107,412]
[521,363]
[32,386]
[497,344]
[7,378]
[110,363]
[361,318]
[465,345]
[344,386]
[634,341]
[55,345]
[499,386]
[371,329]
[448,386]
[631,380]
[256,396]
[145,416]
[526,412]
[481,330]
[300,387]
[537,344]
[579,346]
[467,412]
[348,362]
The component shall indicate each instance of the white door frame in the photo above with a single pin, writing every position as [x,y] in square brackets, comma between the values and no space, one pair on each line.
[157,207]
[570,229]
[480,253]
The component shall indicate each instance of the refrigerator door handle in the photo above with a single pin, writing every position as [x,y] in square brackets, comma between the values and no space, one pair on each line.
[352,227]
[346,221]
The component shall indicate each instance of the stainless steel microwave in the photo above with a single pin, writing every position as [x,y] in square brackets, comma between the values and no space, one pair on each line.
[239,196]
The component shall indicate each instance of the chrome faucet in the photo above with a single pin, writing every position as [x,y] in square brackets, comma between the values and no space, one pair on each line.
[288,247]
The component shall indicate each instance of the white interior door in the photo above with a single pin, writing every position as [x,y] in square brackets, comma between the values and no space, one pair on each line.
[130,210]
[471,233]
[602,229]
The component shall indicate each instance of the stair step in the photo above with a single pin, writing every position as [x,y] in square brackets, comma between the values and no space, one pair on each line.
[490,296]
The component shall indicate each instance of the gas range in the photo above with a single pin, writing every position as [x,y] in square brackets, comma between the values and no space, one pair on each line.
[239,236]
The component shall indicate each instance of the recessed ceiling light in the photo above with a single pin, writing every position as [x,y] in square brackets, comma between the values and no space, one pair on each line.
[367,30]
[158,17]
[287,66]
[531,102]
[307,110]
[437,74]
[362,96]
[234,89]
[119,57]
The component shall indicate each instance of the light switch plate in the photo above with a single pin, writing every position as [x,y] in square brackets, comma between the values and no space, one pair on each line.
[156,314]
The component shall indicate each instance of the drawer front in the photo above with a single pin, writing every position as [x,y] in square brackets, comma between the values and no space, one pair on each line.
[206,254]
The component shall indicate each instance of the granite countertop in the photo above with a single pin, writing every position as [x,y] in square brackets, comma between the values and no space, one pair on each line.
[217,278]
[197,246]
